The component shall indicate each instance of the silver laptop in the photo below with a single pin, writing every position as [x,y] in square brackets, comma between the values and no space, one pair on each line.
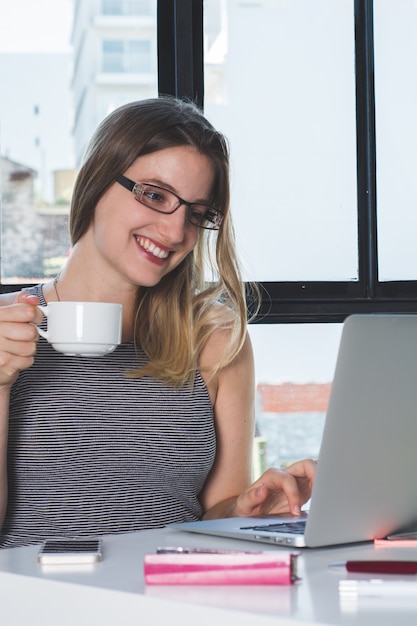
[366,481]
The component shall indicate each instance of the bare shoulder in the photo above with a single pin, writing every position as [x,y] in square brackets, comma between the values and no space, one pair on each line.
[240,371]
[8,298]
[214,348]
[218,342]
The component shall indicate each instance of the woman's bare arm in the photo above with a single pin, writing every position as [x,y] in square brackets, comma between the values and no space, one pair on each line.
[18,338]
[229,490]
[232,395]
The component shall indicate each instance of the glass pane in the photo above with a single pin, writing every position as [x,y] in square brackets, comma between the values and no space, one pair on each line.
[139,57]
[57,93]
[279,82]
[127,7]
[121,56]
[294,367]
[396,131]
[113,56]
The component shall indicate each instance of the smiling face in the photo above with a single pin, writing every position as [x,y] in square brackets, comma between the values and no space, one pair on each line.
[140,245]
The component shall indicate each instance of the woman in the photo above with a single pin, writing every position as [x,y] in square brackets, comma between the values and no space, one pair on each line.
[160,430]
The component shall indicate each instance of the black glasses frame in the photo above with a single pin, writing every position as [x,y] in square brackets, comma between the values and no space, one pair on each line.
[210,220]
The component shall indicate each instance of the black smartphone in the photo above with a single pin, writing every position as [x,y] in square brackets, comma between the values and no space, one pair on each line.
[70,551]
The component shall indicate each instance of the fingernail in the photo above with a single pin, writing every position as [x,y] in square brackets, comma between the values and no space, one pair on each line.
[296,510]
[259,489]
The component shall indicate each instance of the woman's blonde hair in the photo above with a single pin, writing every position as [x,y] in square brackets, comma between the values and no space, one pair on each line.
[174,318]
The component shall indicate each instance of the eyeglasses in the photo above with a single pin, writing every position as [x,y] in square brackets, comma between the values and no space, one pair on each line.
[164,201]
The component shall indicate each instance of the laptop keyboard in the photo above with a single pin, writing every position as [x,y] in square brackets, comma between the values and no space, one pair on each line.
[297,528]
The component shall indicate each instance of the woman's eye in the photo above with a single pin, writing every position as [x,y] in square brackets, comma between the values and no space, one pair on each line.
[154,196]
[198,216]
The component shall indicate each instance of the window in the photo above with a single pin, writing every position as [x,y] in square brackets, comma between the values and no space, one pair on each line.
[294,366]
[53,109]
[35,139]
[288,109]
[120,56]
[128,7]
[396,130]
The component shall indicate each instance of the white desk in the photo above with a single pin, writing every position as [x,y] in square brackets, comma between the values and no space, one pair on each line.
[113,591]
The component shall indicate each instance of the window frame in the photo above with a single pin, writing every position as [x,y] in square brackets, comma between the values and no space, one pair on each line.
[312,301]
[181,73]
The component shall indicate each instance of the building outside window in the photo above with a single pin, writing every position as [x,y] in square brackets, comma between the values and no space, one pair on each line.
[127,7]
[128,56]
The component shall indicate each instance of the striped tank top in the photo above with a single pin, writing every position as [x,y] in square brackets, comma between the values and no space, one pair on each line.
[93,452]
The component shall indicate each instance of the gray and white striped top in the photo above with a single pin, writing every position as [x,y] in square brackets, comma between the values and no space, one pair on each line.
[93,452]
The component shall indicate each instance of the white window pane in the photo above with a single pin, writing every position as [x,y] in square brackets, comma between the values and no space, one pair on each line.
[279,81]
[294,366]
[57,94]
[139,57]
[127,7]
[113,56]
[126,56]
[37,158]
[396,131]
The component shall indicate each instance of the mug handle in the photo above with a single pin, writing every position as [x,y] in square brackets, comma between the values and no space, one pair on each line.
[43,333]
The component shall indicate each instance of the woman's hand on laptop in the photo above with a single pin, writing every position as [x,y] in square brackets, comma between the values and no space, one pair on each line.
[278,491]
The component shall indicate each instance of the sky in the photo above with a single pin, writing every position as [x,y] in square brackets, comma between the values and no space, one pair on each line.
[35,25]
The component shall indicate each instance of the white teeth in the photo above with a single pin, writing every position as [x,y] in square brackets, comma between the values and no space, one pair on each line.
[147,245]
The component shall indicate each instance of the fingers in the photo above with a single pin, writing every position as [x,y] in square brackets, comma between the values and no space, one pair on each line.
[18,336]
[298,490]
[278,491]
[283,491]
[303,469]
[27,298]
[251,501]
[275,492]
[32,313]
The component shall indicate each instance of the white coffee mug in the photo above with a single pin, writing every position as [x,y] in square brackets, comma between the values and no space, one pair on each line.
[83,328]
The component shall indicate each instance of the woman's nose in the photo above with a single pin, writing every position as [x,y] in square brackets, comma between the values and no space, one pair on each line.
[173,225]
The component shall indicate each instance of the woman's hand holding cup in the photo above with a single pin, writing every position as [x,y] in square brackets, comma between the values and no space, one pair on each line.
[18,336]
[76,328]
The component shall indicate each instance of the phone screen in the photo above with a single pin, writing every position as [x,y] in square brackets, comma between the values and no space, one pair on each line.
[70,551]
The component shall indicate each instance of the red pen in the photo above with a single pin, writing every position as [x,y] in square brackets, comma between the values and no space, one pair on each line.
[379,567]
